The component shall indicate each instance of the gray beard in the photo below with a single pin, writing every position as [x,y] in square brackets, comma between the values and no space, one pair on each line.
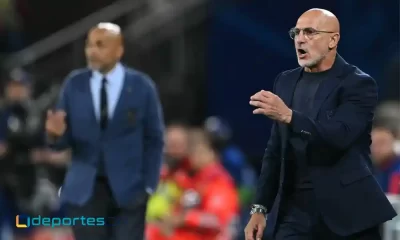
[313,63]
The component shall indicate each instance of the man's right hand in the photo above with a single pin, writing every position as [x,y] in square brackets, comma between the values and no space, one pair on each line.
[55,123]
[255,227]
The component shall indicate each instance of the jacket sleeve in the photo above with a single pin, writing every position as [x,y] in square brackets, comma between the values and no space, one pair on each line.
[349,120]
[220,207]
[153,138]
[268,181]
[64,141]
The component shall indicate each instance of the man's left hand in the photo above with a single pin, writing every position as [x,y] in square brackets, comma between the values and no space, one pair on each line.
[271,105]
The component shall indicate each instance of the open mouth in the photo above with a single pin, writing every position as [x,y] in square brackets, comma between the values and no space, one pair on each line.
[301,53]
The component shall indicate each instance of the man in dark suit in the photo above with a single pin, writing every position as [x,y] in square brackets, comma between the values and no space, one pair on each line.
[110,116]
[316,180]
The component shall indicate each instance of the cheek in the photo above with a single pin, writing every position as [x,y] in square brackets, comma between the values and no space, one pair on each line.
[107,55]
[314,52]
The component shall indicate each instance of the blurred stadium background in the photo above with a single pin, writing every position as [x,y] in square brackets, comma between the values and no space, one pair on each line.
[207,58]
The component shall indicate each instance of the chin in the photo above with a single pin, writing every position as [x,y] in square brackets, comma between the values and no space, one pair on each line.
[303,63]
[307,63]
[94,67]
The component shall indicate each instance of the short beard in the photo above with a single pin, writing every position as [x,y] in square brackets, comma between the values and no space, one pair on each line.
[314,63]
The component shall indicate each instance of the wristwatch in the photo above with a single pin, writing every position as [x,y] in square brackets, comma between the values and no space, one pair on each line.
[256,208]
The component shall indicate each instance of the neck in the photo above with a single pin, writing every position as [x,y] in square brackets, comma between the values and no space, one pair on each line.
[324,65]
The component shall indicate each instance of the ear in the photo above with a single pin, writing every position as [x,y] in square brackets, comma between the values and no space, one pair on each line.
[120,52]
[334,41]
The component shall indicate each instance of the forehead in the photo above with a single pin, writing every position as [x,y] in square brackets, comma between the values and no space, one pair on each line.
[99,35]
[310,21]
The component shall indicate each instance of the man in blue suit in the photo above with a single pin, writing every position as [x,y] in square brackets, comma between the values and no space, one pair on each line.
[110,117]
[316,180]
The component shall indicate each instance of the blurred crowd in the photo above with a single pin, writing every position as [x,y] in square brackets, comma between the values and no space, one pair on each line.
[206,183]
[385,147]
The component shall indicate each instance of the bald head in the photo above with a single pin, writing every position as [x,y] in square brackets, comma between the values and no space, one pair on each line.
[316,38]
[104,47]
[110,30]
[324,19]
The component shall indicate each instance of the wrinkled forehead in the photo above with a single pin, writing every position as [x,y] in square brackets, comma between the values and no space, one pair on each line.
[308,21]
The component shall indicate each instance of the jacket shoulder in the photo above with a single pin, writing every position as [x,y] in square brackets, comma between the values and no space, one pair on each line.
[285,74]
[142,78]
[353,71]
[355,77]
[75,75]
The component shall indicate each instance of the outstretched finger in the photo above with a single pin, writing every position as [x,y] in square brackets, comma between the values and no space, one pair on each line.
[249,234]
[258,97]
[259,111]
[260,232]
[258,104]
[267,94]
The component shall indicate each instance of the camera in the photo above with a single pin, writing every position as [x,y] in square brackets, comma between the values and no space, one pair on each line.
[21,178]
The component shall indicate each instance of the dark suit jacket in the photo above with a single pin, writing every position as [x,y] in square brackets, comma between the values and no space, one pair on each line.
[132,144]
[336,138]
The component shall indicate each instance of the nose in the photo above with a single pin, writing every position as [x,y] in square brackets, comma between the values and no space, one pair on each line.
[90,52]
[300,38]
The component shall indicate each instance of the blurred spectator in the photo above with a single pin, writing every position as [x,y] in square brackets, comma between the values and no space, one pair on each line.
[24,187]
[386,161]
[210,208]
[176,148]
[20,120]
[232,157]
[389,112]
[174,174]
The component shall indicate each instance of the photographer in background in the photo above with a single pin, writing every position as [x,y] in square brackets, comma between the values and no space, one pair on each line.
[20,121]
[24,185]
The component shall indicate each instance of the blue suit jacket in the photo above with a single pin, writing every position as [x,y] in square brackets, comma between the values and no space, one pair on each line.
[132,144]
[336,138]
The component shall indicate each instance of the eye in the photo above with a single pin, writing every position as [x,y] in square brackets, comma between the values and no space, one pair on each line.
[309,31]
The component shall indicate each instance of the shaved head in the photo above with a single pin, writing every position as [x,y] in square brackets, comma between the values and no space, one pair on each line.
[316,36]
[104,47]
[323,18]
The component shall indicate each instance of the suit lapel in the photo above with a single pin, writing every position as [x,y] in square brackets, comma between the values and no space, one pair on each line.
[324,89]
[88,102]
[328,85]
[288,86]
[285,92]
